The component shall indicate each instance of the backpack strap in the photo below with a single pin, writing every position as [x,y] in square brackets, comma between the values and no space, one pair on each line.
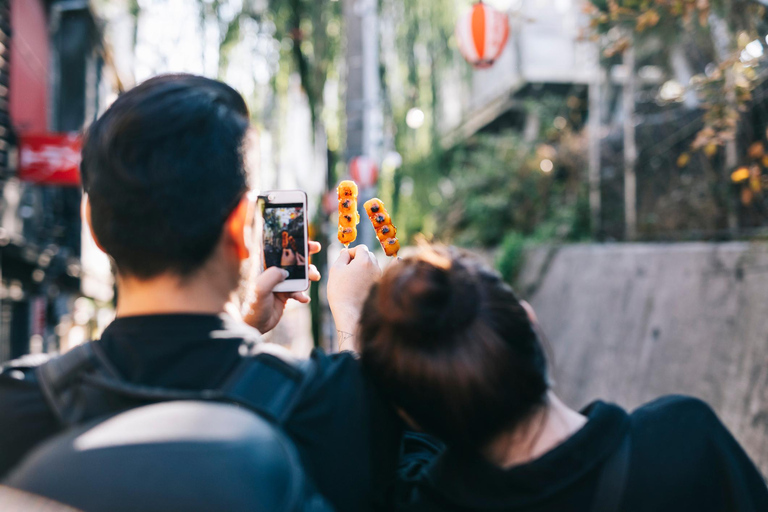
[82,384]
[612,481]
[57,376]
[271,382]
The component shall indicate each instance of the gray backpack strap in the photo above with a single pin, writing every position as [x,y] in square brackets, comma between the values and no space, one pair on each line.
[81,385]
[269,383]
[613,479]
[59,378]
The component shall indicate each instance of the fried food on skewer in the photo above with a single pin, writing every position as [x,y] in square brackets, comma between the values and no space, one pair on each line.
[348,216]
[382,223]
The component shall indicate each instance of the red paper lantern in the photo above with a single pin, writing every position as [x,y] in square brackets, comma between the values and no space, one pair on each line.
[482,34]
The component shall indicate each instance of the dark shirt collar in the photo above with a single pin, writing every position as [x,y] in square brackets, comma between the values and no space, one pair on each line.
[182,351]
[174,322]
[476,483]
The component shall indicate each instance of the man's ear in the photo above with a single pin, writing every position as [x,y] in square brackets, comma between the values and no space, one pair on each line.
[235,228]
[530,312]
[85,214]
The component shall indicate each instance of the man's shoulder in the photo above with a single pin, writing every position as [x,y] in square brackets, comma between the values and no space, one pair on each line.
[23,367]
[19,386]
[25,418]
[25,363]
[340,370]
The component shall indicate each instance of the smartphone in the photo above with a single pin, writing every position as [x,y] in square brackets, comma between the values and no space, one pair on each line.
[284,228]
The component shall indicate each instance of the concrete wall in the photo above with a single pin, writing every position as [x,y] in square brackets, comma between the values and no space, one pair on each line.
[629,323]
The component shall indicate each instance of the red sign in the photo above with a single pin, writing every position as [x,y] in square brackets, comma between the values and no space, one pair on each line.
[29,65]
[364,171]
[50,159]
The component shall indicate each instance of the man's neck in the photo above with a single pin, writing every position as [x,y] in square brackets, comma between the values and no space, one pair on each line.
[546,429]
[168,294]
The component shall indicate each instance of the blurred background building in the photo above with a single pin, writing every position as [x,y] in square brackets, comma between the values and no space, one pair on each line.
[55,78]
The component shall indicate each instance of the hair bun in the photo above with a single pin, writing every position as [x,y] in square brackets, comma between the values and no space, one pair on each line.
[429,298]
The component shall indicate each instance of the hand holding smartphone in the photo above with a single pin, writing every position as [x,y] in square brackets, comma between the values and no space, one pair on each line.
[285,237]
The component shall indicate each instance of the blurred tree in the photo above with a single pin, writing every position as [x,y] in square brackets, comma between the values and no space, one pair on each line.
[493,184]
[727,73]
[308,33]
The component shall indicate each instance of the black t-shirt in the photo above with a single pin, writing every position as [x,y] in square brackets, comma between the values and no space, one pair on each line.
[682,459]
[347,437]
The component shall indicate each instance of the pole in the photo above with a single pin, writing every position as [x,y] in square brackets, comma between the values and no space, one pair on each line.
[364,111]
[630,145]
[595,139]
[723,43]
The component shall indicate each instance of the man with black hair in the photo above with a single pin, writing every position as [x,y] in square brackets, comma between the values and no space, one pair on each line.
[165,178]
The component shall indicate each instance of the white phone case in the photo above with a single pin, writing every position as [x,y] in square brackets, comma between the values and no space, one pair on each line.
[274,199]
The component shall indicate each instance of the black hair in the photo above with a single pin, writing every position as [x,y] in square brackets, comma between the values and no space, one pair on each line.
[164,168]
[448,342]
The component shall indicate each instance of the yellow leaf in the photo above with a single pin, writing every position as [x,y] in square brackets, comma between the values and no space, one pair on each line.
[683,159]
[710,149]
[740,174]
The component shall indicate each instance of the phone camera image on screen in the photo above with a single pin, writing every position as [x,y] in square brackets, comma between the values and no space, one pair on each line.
[284,243]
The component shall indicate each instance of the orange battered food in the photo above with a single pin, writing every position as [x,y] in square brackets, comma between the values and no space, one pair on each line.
[348,189]
[386,231]
[349,220]
[382,223]
[347,235]
[391,246]
[348,216]
[285,239]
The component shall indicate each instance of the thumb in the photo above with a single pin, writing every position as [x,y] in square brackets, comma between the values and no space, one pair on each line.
[343,259]
[268,279]
[362,254]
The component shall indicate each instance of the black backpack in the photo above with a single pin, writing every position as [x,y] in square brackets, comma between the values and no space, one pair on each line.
[88,396]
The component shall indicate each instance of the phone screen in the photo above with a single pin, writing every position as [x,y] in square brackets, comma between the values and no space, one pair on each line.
[284,244]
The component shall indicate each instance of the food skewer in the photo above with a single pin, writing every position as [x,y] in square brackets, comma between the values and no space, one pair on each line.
[382,223]
[348,216]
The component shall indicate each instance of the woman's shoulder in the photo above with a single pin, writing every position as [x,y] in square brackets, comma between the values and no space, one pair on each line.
[674,418]
[681,441]
[671,432]
[675,407]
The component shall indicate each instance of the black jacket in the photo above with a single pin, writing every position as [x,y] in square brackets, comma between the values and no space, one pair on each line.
[347,437]
[682,459]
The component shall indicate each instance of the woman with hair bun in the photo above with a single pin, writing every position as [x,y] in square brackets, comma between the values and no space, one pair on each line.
[453,348]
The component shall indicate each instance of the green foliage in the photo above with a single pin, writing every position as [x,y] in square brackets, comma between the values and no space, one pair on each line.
[567,223]
[510,259]
[492,185]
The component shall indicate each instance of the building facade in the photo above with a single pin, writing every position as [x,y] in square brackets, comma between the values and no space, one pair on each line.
[53,80]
